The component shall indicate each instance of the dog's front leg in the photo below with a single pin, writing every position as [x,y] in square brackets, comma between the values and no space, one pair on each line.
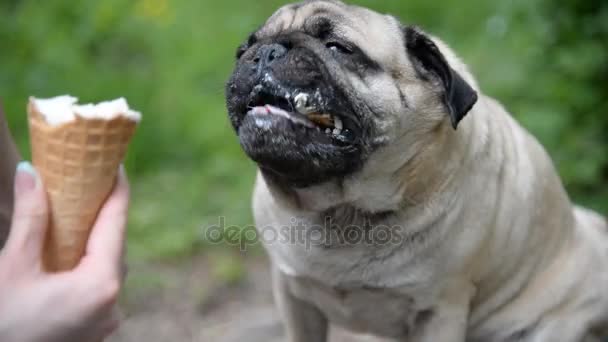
[448,321]
[303,321]
[570,328]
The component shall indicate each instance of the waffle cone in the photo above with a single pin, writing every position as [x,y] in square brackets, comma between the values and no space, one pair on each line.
[78,163]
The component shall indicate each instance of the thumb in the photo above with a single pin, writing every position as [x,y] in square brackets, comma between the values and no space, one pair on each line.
[106,243]
[30,215]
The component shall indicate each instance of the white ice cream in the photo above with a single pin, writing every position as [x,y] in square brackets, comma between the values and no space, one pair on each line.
[62,109]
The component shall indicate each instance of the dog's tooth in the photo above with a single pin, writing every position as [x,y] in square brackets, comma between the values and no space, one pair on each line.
[337,131]
[328,130]
[301,100]
[338,123]
[301,97]
[301,103]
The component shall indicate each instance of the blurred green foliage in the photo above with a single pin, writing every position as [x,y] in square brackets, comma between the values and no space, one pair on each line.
[544,59]
[577,77]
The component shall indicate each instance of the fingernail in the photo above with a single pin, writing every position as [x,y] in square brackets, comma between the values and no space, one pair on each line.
[26,177]
[122,170]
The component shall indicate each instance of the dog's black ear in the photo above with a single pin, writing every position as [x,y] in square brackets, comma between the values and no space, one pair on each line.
[459,97]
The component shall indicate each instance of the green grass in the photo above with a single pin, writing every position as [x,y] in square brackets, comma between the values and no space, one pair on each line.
[171,58]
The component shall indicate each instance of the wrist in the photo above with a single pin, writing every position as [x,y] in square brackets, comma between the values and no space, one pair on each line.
[8,165]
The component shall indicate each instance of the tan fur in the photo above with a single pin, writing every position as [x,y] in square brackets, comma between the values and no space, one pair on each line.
[494,249]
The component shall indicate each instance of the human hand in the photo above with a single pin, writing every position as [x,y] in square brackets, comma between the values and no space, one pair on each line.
[36,306]
[8,162]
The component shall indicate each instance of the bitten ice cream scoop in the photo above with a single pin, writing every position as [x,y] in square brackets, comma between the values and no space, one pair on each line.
[77,150]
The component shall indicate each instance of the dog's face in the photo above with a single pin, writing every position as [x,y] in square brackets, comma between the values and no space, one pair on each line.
[322,85]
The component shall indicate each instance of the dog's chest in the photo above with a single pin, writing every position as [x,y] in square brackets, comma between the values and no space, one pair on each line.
[383,312]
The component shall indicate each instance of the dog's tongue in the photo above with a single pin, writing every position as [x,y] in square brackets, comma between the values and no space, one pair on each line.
[272,110]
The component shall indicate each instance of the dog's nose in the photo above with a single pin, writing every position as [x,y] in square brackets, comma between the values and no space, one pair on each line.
[268,54]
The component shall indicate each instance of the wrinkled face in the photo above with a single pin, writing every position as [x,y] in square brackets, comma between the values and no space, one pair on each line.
[319,87]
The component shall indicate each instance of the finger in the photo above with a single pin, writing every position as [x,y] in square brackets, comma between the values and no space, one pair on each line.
[106,242]
[30,215]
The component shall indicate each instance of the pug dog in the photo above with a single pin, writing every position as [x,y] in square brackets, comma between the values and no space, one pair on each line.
[403,202]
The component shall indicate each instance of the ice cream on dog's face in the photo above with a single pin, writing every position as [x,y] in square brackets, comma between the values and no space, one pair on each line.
[77,150]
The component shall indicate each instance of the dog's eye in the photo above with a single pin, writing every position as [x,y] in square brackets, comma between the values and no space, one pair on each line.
[340,48]
[240,51]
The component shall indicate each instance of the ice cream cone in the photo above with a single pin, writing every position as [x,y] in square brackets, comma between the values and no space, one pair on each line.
[78,162]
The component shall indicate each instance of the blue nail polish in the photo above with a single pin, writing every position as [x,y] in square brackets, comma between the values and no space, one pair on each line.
[26,166]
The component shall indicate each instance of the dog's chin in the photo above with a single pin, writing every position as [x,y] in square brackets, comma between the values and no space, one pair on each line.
[295,151]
